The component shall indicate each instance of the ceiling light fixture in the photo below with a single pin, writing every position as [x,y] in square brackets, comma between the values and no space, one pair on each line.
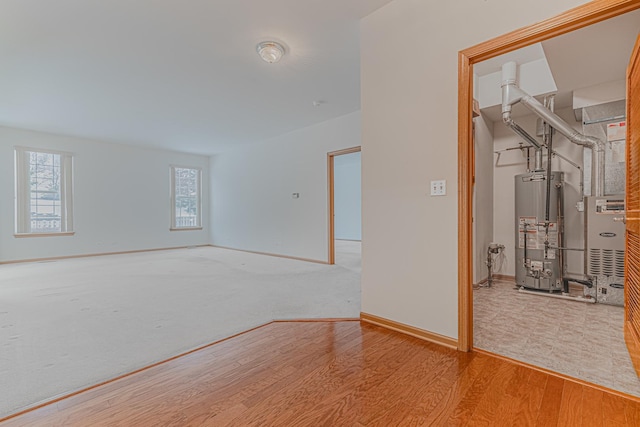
[270,51]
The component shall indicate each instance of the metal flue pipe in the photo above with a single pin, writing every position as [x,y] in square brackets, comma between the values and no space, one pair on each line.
[506,115]
[512,94]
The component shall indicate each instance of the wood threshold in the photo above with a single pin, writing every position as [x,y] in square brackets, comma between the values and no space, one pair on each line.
[162,362]
[56,258]
[558,375]
[410,330]
[271,254]
[573,19]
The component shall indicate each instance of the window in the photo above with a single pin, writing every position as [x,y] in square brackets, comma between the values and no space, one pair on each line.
[185,198]
[44,192]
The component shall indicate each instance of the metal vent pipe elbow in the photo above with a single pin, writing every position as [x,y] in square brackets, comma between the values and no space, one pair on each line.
[512,94]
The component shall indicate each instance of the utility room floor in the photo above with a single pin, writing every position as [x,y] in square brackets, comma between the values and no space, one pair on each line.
[578,339]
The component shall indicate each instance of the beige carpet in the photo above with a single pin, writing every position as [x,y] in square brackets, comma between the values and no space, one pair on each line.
[68,324]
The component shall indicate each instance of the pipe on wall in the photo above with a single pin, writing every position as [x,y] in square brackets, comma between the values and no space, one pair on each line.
[531,140]
[512,94]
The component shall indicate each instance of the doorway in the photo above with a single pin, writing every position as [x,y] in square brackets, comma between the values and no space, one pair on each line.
[575,19]
[344,192]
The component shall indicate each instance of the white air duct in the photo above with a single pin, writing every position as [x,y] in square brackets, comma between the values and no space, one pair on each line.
[512,94]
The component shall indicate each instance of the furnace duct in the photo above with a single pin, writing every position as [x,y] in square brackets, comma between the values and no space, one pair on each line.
[512,94]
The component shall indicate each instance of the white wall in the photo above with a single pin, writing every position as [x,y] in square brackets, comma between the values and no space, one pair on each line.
[482,196]
[409,77]
[251,191]
[512,163]
[347,196]
[121,198]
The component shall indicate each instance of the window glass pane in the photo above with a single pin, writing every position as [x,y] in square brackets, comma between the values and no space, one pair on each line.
[186,197]
[45,203]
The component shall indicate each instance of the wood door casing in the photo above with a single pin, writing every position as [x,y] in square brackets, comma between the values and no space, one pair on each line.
[632,247]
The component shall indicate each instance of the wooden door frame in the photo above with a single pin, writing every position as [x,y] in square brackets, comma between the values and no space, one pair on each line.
[574,19]
[330,201]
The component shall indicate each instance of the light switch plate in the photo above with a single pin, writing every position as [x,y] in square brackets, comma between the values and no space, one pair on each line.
[439,187]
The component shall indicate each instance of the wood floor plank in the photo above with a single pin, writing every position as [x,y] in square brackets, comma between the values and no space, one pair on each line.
[550,406]
[348,403]
[486,411]
[632,413]
[395,399]
[571,404]
[464,410]
[449,401]
[336,374]
[310,388]
[523,397]
[422,369]
[592,407]
[614,410]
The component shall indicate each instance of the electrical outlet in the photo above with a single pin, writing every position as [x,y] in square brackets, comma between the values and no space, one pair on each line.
[439,188]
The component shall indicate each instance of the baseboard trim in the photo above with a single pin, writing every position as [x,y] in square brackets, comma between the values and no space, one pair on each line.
[504,277]
[481,282]
[56,258]
[558,374]
[500,277]
[153,365]
[324,320]
[271,254]
[410,330]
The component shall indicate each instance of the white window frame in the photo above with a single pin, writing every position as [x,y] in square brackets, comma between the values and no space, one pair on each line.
[174,226]
[23,193]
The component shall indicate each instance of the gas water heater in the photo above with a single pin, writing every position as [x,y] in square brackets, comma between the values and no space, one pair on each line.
[539,262]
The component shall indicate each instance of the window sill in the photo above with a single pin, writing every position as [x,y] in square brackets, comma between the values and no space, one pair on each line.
[66,233]
[185,229]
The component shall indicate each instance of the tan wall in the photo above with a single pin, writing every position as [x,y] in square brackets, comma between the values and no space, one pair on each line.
[409,80]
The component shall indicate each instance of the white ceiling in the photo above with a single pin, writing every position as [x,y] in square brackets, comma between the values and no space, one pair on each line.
[180,75]
[587,57]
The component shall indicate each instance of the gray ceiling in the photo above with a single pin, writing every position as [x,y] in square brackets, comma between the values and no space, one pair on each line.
[184,75]
[180,75]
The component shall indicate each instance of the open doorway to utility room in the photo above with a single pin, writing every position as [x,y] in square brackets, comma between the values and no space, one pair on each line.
[345,206]
[549,141]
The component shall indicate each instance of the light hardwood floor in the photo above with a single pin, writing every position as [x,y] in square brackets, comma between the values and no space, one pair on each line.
[336,374]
